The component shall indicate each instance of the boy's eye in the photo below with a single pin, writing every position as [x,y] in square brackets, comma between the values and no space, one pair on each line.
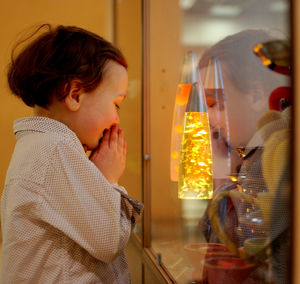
[117,106]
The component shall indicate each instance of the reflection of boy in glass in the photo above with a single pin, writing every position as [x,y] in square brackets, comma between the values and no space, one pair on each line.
[247,85]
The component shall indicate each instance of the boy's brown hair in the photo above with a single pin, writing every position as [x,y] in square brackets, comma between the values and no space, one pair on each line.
[46,67]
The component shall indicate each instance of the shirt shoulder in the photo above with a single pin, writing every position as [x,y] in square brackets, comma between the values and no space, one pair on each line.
[32,155]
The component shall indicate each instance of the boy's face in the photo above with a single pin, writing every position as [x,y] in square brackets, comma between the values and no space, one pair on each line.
[232,119]
[99,108]
[237,109]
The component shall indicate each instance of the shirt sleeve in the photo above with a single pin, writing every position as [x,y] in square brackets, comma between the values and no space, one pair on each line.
[130,206]
[82,204]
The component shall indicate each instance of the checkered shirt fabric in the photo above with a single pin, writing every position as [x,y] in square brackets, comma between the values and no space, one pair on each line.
[62,221]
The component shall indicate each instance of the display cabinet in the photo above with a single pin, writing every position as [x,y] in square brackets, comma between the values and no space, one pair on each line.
[218,202]
[212,138]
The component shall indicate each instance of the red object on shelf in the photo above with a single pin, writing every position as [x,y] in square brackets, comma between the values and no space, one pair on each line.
[225,263]
[280,97]
[227,270]
[284,70]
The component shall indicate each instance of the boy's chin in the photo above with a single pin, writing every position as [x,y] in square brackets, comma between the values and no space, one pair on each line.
[93,145]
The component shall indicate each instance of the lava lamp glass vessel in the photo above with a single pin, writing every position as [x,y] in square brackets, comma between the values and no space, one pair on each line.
[216,101]
[188,77]
[195,167]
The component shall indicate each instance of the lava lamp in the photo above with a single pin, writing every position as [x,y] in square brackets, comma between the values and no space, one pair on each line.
[195,166]
[189,75]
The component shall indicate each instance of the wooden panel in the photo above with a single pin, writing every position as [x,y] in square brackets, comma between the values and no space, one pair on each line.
[296,154]
[142,266]
[165,66]
[128,38]
[134,257]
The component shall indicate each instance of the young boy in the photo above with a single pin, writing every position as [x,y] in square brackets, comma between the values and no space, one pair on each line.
[65,219]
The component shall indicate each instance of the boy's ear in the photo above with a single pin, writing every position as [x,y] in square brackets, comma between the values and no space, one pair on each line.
[74,96]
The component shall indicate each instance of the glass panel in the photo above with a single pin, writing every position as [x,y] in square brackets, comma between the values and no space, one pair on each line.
[241,234]
[128,36]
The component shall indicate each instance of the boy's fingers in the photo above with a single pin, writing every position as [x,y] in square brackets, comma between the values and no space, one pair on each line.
[106,134]
[120,134]
[113,135]
[125,148]
[104,140]
[120,138]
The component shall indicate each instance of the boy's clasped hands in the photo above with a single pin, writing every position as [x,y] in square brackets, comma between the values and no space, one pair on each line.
[110,155]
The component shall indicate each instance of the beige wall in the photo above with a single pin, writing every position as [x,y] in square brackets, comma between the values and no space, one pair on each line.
[19,15]
[165,67]
[129,39]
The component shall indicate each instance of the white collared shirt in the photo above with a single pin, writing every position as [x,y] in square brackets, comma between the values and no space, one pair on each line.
[62,221]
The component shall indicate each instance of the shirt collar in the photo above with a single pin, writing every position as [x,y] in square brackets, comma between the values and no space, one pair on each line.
[43,125]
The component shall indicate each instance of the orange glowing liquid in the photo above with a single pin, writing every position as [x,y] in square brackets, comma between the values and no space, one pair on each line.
[182,96]
[196,168]
[183,92]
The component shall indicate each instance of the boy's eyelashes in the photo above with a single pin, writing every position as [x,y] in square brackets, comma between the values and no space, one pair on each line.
[117,106]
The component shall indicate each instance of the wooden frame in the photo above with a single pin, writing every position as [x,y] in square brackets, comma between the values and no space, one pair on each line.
[295,246]
[146,126]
